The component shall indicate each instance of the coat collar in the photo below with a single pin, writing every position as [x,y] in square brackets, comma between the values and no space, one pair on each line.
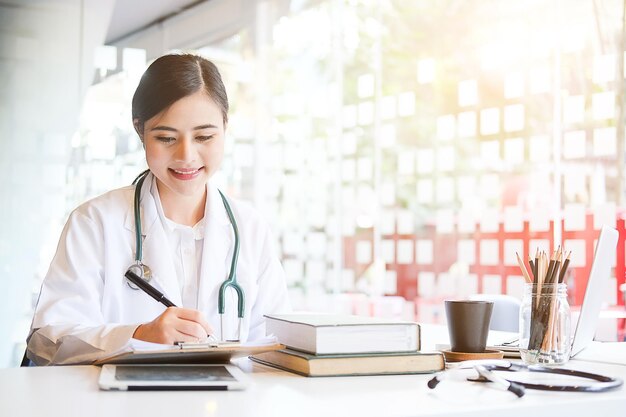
[214,208]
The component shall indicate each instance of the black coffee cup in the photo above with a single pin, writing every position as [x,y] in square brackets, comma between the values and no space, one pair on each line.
[468,324]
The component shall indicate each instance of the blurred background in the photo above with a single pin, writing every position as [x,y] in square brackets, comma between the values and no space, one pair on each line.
[403,151]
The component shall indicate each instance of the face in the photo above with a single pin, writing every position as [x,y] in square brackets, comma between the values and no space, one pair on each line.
[185,145]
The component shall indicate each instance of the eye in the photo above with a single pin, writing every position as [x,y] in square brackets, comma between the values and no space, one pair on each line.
[204,138]
[165,139]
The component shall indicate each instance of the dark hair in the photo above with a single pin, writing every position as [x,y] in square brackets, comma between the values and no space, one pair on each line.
[172,77]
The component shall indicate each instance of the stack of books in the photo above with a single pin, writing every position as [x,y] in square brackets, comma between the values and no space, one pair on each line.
[341,345]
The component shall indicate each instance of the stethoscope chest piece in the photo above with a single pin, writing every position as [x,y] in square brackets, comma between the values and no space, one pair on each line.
[142,270]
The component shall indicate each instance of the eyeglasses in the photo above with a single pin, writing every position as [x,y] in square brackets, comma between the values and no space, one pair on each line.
[485,371]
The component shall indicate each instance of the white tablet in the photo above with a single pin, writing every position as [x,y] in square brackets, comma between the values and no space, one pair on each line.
[172,377]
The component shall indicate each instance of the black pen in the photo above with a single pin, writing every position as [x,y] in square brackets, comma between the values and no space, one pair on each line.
[148,289]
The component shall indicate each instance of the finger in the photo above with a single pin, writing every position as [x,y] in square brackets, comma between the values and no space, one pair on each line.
[190,328]
[187,313]
[182,337]
[195,316]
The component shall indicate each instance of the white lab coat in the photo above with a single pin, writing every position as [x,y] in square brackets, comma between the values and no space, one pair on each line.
[86,310]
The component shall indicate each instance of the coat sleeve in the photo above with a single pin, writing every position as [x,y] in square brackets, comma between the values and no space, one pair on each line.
[68,325]
[272,294]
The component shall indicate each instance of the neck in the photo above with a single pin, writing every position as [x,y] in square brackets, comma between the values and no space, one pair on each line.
[186,210]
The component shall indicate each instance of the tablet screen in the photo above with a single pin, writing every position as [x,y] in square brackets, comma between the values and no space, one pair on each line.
[172,373]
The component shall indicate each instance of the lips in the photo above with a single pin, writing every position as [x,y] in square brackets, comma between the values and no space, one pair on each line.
[185,174]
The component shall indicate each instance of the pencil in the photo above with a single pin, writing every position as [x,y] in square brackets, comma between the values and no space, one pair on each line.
[541,271]
[564,268]
[532,268]
[543,263]
[537,263]
[523,268]
[550,269]
[557,263]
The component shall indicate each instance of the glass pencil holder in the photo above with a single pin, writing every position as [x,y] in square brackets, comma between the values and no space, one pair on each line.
[545,330]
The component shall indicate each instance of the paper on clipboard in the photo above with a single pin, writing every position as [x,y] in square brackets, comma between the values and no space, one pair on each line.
[204,352]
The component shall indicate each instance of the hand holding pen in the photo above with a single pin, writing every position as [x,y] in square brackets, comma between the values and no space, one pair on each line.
[175,324]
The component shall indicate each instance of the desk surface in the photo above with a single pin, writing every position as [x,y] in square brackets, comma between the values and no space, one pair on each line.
[73,391]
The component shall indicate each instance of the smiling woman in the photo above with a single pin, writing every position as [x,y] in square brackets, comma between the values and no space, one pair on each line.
[181,125]
[184,147]
[86,310]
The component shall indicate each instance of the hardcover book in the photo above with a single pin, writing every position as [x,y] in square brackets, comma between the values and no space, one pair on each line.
[337,334]
[354,364]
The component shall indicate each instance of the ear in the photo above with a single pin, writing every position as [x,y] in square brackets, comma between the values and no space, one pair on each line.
[138,128]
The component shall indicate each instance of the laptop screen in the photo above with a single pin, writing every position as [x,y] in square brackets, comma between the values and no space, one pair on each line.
[596,287]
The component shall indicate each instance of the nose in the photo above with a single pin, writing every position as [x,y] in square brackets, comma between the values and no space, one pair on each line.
[185,151]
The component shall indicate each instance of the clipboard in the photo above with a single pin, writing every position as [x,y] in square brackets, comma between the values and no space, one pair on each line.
[186,353]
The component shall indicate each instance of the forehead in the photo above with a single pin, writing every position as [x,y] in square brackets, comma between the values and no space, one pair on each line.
[192,110]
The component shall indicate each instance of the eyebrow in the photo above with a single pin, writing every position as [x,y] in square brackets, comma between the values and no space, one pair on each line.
[171,129]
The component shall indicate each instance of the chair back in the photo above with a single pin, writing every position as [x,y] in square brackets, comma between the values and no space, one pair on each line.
[505,315]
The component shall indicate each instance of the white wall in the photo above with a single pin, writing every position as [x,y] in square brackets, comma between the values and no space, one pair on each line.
[46,54]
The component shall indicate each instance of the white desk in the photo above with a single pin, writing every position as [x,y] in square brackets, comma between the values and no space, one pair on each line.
[73,391]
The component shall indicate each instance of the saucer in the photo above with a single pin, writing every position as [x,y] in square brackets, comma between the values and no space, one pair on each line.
[451,356]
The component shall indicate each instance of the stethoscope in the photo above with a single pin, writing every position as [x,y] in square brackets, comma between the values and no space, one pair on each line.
[485,374]
[143,271]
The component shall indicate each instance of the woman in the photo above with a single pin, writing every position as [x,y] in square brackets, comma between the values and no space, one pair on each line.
[87,310]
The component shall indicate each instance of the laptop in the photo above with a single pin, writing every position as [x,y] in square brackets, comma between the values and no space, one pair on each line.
[594,295]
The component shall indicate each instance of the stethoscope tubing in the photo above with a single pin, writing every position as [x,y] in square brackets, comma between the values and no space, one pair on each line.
[138,182]
[232,276]
[604,383]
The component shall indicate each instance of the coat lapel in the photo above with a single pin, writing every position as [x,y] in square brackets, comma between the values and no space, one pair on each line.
[156,253]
